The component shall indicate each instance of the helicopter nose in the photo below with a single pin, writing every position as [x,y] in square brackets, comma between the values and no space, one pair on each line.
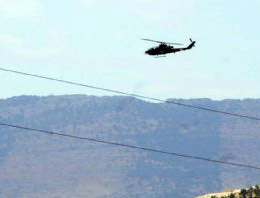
[147,51]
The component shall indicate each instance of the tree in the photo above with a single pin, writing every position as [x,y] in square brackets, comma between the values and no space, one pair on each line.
[257,191]
[242,193]
[250,192]
[232,195]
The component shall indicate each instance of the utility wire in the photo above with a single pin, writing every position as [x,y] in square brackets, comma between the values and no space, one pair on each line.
[130,146]
[133,95]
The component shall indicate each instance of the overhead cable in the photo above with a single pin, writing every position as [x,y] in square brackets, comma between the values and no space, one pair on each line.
[130,146]
[133,95]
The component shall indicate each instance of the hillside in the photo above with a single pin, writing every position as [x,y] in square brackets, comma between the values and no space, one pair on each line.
[36,165]
[252,192]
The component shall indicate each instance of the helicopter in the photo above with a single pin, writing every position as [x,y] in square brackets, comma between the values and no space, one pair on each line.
[166,48]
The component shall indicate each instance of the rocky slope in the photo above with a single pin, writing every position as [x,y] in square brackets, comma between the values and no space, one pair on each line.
[35,165]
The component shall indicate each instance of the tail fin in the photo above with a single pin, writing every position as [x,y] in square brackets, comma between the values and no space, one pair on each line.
[192,44]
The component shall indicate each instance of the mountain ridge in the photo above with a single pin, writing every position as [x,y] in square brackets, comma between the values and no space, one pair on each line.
[101,171]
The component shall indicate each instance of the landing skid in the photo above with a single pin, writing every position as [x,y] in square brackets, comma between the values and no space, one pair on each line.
[159,56]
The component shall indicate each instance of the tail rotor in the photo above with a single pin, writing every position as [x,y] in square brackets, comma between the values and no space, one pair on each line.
[193,42]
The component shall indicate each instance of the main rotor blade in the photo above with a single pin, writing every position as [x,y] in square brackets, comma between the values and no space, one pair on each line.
[160,41]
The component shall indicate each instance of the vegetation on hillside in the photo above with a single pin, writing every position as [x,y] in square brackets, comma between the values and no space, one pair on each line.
[252,192]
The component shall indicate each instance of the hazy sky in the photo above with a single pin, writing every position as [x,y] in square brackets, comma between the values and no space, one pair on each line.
[97,42]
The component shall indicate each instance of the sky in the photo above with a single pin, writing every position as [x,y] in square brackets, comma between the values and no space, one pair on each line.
[97,42]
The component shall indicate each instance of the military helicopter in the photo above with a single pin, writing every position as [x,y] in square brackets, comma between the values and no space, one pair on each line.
[166,48]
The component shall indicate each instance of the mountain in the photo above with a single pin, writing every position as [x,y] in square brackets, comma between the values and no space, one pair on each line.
[34,165]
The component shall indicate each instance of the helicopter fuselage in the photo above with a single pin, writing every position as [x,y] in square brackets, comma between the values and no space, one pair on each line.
[161,49]
[166,49]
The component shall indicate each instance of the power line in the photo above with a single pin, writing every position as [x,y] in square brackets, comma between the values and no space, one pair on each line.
[130,146]
[133,95]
